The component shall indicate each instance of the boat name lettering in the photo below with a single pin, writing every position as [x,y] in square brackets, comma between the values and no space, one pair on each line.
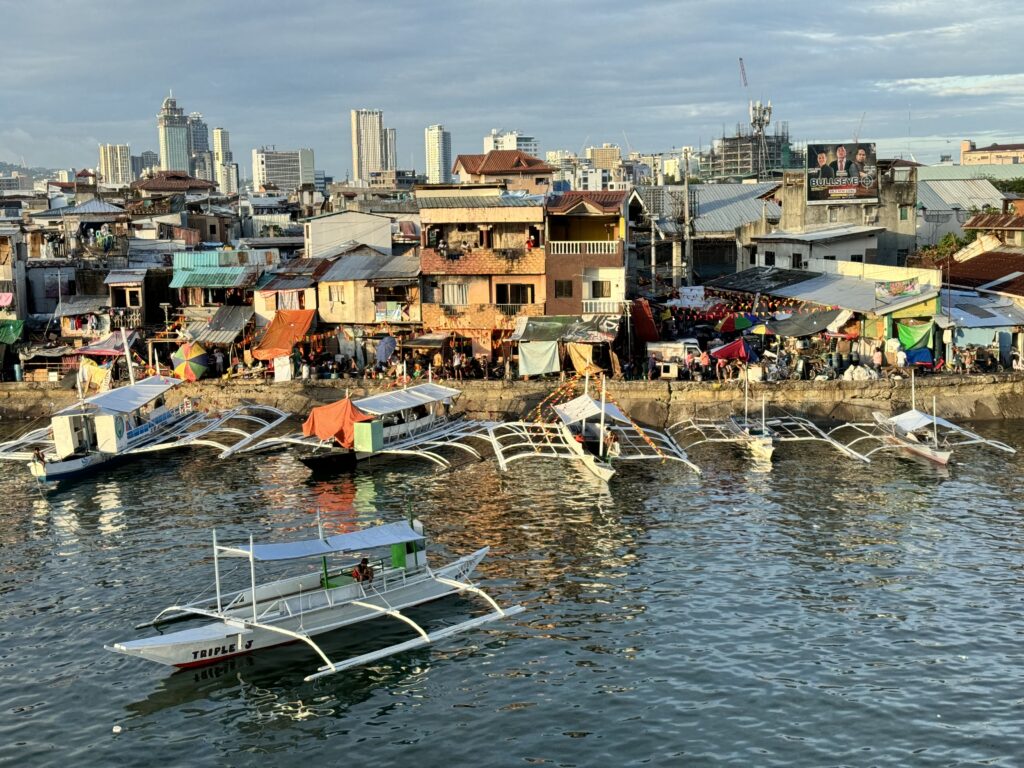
[218,650]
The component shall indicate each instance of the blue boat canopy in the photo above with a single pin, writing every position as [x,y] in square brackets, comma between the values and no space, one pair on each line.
[360,541]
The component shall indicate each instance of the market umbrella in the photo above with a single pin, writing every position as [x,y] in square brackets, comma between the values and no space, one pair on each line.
[733,323]
[762,329]
[190,361]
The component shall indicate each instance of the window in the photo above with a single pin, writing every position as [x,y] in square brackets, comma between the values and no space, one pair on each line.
[904,212]
[798,261]
[601,289]
[513,293]
[833,214]
[901,256]
[870,214]
[134,298]
[769,258]
[455,294]
[830,257]
[563,289]
[335,294]
[857,257]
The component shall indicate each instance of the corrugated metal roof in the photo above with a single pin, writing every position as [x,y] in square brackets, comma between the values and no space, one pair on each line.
[971,310]
[215,277]
[495,201]
[760,279]
[720,207]
[369,267]
[223,327]
[962,194]
[998,172]
[820,235]
[220,258]
[850,293]
[288,283]
[80,305]
[125,276]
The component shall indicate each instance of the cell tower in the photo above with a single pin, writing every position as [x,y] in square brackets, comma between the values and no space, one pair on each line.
[760,117]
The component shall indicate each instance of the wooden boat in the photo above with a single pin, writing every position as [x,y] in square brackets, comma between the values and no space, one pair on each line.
[323,599]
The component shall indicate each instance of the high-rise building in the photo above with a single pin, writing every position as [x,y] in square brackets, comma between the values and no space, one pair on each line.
[438,146]
[225,169]
[115,167]
[389,161]
[510,140]
[200,158]
[367,143]
[286,169]
[607,157]
[173,132]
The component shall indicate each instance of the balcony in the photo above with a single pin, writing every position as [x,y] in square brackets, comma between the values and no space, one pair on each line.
[584,248]
[604,306]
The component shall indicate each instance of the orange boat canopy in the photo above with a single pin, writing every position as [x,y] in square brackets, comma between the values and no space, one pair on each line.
[335,422]
[287,327]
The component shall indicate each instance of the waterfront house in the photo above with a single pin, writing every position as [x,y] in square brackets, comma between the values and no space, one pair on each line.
[291,286]
[373,290]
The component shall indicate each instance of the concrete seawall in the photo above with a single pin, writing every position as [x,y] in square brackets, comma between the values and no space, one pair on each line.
[656,404]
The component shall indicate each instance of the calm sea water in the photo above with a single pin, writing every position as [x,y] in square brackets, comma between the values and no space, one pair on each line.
[824,613]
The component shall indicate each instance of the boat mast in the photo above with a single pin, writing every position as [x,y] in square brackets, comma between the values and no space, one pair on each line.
[935,424]
[600,439]
[216,569]
[913,391]
[128,356]
[252,576]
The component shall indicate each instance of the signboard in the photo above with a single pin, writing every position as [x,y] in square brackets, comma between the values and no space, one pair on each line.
[842,173]
[892,289]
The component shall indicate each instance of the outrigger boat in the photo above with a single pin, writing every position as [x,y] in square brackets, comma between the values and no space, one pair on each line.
[414,421]
[759,436]
[594,433]
[319,601]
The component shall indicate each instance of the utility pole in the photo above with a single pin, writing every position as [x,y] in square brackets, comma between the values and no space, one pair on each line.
[687,244]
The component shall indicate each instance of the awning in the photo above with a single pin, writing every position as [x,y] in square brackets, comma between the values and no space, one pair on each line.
[10,330]
[403,399]
[125,277]
[431,340]
[130,398]
[288,327]
[543,328]
[223,327]
[804,324]
[392,282]
[586,407]
[215,277]
[335,422]
[81,305]
[360,541]
[736,350]
[113,344]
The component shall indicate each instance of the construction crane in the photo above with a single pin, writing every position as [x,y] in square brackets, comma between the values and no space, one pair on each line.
[743,76]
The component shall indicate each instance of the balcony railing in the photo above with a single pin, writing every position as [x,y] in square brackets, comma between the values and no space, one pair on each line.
[510,310]
[584,247]
[604,306]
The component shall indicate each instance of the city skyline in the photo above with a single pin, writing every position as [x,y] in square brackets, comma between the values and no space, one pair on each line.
[911,77]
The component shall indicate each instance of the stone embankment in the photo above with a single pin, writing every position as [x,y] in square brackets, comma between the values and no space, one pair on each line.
[656,404]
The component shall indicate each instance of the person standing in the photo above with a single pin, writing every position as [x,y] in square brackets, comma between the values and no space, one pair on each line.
[218,362]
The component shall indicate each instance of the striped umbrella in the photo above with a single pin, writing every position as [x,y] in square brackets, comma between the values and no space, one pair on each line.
[190,361]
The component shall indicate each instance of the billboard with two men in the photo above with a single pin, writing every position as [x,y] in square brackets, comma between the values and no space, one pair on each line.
[838,173]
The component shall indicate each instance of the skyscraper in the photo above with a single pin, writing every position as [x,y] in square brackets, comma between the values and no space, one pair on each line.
[115,165]
[367,140]
[286,169]
[438,145]
[389,160]
[200,158]
[225,169]
[172,129]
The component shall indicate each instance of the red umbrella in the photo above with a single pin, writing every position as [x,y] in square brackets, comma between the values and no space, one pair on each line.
[736,350]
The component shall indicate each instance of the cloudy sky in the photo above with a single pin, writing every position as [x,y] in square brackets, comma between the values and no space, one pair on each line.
[914,76]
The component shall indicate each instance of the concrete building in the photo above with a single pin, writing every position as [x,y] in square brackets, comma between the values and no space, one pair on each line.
[390,146]
[943,206]
[115,166]
[516,170]
[438,150]
[329,234]
[511,140]
[286,169]
[368,142]
[200,157]
[607,157]
[994,154]
[173,133]
[225,168]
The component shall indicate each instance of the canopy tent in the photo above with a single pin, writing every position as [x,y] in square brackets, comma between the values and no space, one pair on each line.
[335,422]
[805,325]
[403,399]
[586,407]
[113,344]
[131,398]
[736,350]
[359,541]
[288,327]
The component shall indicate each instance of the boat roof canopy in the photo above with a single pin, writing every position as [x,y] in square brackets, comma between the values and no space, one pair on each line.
[586,407]
[403,399]
[127,399]
[359,541]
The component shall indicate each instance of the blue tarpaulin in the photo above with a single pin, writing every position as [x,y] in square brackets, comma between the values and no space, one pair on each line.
[385,349]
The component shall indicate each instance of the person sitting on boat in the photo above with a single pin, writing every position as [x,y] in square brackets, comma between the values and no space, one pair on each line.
[363,571]
[39,456]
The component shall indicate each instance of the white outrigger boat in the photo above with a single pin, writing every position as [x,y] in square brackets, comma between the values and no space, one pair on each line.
[299,608]
[759,436]
[594,433]
[412,421]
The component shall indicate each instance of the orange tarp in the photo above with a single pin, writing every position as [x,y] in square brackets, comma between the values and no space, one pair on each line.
[287,327]
[335,422]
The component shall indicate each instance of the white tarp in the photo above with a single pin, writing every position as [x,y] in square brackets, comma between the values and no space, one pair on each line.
[403,399]
[537,357]
[586,407]
[282,368]
[132,397]
[360,541]
[913,421]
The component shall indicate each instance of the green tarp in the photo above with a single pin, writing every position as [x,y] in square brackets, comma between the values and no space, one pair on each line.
[10,330]
[915,336]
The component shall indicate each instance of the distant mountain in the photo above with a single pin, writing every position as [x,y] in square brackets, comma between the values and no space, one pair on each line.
[7,169]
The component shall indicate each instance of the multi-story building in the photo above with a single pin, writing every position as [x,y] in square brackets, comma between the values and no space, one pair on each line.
[367,142]
[389,161]
[994,154]
[607,157]
[173,132]
[225,169]
[116,165]
[200,157]
[147,162]
[286,169]
[516,170]
[739,156]
[510,140]
[438,149]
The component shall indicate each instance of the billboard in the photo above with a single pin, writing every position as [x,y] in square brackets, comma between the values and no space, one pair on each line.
[842,173]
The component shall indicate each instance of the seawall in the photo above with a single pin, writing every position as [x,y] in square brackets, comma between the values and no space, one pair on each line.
[656,403]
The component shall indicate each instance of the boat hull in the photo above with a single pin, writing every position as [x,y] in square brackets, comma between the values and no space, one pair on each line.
[309,614]
[924,451]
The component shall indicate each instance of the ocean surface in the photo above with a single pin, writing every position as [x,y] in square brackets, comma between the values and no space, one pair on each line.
[824,613]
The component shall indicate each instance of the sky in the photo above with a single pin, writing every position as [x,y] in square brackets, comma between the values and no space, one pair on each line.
[915,77]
